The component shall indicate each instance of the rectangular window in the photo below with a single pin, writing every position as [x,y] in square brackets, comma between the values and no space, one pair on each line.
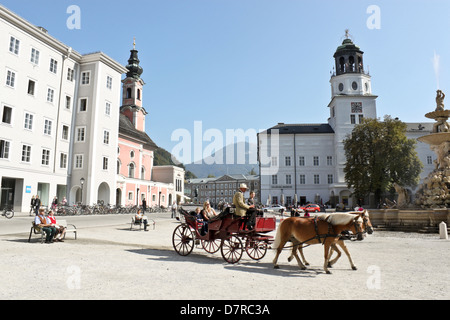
[429,160]
[302,179]
[50,95]
[65,133]
[106,137]
[70,73]
[316,161]
[316,179]
[80,134]
[352,119]
[45,157]
[53,66]
[108,109]
[34,56]
[26,153]
[63,161]
[14,45]
[11,79]
[31,86]
[287,161]
[85,78]
[83,105]
[7,115]
[361,118]
[274,179]
[330,179]
[105,163]
[301,161]
[274,161]
[28,124]
[4,149]
[329,161]
[68,102]
[79,161]
[48,127]
[109,81]
[288,179]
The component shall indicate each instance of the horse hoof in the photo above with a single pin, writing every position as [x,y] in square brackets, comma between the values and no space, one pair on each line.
[276,267]
[307,264]
[290,259]
[354,268]
[303,268]
[328,272]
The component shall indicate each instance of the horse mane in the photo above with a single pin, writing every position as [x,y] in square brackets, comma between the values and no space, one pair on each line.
[336,219]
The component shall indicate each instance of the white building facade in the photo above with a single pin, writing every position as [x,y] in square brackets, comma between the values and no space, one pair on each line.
[302,163]
[59,122]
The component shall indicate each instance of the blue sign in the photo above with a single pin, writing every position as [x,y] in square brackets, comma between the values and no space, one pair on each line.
[28,189]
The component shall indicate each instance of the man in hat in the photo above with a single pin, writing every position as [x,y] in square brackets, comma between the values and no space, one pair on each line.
[242,209]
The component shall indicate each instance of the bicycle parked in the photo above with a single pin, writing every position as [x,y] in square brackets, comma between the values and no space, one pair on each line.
[8,212]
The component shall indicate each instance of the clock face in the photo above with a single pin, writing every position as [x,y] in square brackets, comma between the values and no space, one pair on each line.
[357,107]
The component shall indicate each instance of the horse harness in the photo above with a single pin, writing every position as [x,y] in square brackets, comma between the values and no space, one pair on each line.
[331,234]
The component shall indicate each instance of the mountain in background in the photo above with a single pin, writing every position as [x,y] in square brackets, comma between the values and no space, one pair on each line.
[242,160]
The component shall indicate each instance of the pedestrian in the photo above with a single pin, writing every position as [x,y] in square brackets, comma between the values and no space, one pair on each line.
[37,205]
[144,205]
[174,210]
[32,204]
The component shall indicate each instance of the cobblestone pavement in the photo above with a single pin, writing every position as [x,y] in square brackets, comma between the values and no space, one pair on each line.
[112,262]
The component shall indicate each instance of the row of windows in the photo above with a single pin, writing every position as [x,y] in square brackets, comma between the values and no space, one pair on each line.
[302,179]
[14,48]
[29,124]
[26,156]
[302,161]
[50,94]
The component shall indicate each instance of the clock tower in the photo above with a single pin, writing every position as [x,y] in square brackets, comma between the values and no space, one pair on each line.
[351,98]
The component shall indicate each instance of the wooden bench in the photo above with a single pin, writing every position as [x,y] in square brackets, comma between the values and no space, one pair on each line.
[140,223]
[36,230]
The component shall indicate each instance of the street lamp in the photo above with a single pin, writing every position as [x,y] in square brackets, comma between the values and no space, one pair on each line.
[82,181]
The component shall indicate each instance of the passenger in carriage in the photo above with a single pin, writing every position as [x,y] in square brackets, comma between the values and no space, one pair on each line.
[244,210]
[202,224]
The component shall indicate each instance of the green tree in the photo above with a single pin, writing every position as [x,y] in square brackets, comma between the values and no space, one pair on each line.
[378,155]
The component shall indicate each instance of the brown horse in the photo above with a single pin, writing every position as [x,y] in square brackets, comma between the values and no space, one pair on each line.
[367,227]
[324,229]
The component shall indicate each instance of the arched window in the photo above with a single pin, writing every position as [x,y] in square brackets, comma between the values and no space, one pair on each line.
[139,94]
[118,166]
[142,173]
[131,168]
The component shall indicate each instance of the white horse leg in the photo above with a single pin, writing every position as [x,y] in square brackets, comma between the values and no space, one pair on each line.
[279,249]
[326,249]
[344,247]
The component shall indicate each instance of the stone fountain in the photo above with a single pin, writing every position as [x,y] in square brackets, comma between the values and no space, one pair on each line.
[435,191]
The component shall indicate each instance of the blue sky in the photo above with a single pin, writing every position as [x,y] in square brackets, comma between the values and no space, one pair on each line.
[249,64]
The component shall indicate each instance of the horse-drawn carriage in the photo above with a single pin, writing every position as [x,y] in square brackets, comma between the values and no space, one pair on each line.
[226,233]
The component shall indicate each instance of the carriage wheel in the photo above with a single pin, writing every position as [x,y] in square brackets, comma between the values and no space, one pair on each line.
[256,249]
[183,240]
[211,246]
[232,249]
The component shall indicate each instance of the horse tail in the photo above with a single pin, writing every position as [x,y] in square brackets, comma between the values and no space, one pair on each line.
[277,241]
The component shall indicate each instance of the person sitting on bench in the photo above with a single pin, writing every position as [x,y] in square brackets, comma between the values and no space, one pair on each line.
[44,223]
[141,218]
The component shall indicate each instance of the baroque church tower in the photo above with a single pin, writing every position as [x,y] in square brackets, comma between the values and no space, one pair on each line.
[132,106]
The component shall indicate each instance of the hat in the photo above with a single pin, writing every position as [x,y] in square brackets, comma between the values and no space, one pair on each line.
[243,186]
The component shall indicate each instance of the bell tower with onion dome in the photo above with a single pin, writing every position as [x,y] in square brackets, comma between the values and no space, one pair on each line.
[351,97]
[133,84]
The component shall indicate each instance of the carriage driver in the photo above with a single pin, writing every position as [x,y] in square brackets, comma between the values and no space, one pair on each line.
[242,209]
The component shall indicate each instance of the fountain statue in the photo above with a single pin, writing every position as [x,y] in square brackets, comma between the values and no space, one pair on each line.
[435,191]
